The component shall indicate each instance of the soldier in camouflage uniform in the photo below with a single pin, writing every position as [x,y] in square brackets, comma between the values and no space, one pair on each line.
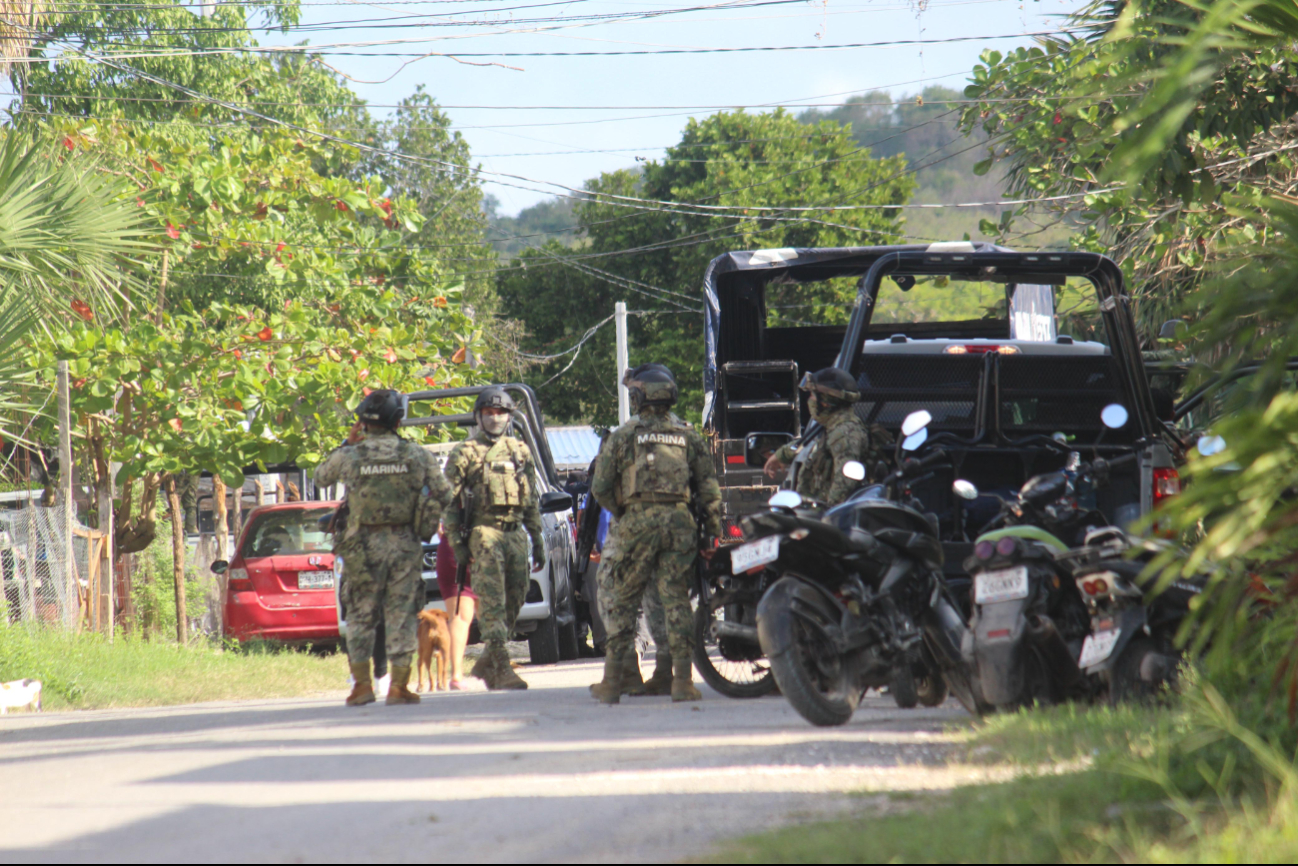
[393,487]
[653,616]
[497,473]
[833,395]
[651,468]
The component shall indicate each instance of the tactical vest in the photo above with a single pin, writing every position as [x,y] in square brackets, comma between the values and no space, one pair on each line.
[660,467]
[504,474]
[387,484]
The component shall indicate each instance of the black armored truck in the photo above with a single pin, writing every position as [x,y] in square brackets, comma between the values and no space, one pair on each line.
[975,334]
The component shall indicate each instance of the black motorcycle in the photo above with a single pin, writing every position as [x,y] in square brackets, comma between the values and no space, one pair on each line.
[1132,645]
[859,602]
[727,652]
[1031,627]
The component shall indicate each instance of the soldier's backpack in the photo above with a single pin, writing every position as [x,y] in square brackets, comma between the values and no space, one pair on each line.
[660,468]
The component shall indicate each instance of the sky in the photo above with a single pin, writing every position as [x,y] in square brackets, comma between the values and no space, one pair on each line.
[538,120]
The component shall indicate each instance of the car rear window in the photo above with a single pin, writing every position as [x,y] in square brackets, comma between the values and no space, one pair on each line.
[290,532]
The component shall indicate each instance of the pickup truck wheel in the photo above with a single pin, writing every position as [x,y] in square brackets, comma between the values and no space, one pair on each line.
[543,644]
[568,633]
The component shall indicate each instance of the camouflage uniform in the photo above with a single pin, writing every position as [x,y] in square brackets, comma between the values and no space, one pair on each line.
[382,555]
[821,475]
[500,475]
[645,477]
[653,613]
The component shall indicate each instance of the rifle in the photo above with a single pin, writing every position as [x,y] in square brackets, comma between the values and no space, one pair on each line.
[466,529]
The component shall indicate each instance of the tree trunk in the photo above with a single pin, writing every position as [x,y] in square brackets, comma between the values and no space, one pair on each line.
[178,557]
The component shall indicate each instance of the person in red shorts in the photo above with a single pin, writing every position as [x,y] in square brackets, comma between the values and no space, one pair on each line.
[459,606]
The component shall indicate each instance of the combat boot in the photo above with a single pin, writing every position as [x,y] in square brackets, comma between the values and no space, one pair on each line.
[609,689]
[632,679]
[363,691]
[661,682]
[398,691]
[482,667]
[683,681]
[500,672]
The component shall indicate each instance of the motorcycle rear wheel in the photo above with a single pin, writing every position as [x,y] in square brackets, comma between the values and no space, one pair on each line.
[902,685]
[820,688]
[734,679]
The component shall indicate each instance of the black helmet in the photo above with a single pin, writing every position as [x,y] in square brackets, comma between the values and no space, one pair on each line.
[834,383]
[650,385]
[383,408]
[494,397]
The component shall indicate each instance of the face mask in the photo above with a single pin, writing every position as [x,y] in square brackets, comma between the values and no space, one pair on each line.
[495,424]
[813,406]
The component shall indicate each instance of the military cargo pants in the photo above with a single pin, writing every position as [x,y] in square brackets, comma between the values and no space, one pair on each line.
[656,545]
[652,621]
[382,583]
[500,576]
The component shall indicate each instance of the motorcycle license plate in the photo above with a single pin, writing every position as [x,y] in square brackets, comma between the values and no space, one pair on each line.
[1006,584]
[1098,647]
[315,580]
[754,554]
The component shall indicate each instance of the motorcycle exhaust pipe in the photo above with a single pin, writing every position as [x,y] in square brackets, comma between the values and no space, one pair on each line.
[736,630]
[1043,634]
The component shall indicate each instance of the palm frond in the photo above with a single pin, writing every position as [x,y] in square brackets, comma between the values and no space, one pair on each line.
[65,232]
[18,20]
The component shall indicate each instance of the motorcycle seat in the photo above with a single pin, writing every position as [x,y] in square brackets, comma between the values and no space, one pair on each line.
[925,548]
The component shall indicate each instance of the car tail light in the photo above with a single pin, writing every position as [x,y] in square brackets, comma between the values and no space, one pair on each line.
[1167,483]
[239,580]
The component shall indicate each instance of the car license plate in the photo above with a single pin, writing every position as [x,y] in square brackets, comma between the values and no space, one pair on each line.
[1006,584]
[315,580]
[754,554]
[1098,647]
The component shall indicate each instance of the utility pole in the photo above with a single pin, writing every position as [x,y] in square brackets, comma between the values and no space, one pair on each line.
[72,588]
[623,361]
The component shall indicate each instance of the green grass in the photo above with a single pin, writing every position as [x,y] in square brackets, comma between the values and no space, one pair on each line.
[85,671]
[1068,816]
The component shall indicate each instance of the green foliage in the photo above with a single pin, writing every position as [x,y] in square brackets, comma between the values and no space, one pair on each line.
[735,159]
[85,671]
[424,161]
[1147,158]
[553,219]
[943,158]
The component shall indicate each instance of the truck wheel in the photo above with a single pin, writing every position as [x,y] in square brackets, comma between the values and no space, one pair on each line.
[568,633]
[543,644]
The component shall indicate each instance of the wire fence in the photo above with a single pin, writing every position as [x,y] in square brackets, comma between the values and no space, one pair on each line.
[40,582]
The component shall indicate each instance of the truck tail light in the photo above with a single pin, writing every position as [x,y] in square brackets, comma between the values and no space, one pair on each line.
[239,580]
[1167,483]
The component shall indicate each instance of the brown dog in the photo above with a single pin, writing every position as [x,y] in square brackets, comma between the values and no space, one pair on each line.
[434,639]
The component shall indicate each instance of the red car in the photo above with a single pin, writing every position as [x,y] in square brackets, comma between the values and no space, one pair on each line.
[281,579]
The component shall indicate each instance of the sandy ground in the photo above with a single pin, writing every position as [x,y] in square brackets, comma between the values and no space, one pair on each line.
[546,775]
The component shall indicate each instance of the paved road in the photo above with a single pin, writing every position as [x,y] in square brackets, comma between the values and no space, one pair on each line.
[539,776]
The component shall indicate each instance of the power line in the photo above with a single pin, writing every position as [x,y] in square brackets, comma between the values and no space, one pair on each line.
[329,50]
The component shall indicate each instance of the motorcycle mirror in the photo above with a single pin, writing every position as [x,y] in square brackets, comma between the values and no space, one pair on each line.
[915,422]
[1210,445]
[965,489]
[854,470]
[914,440]
[785,499]
[1114,416]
